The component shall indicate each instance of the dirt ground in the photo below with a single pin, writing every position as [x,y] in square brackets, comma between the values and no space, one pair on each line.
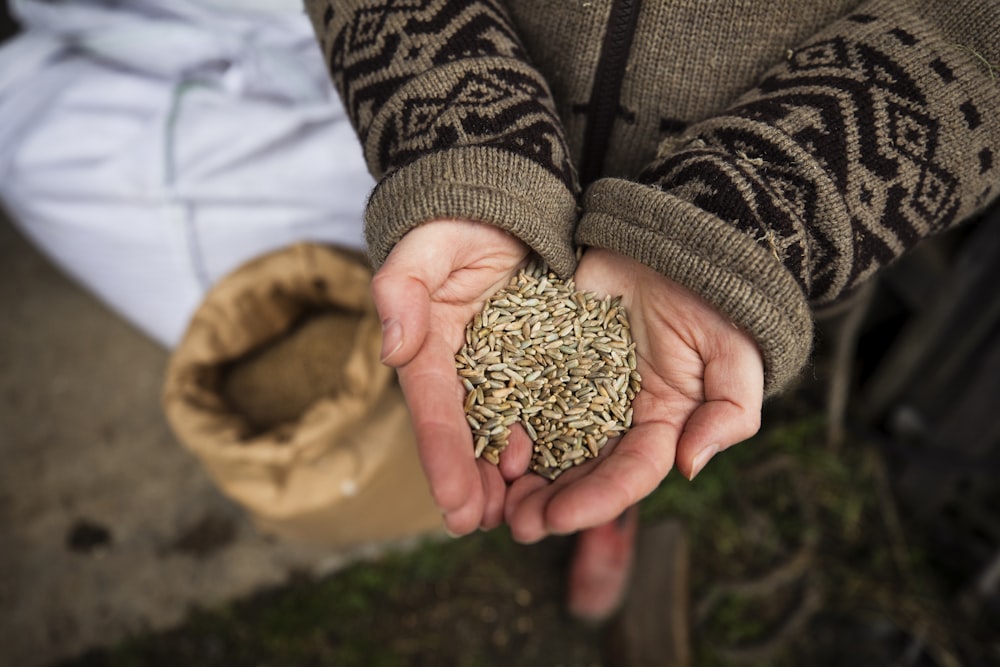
[115,549]
[797,558]
[107,527]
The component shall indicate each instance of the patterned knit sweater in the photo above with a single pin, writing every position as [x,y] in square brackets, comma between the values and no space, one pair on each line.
[770,156]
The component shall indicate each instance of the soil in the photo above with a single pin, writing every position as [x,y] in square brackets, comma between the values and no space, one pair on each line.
[479,601]
[794,560]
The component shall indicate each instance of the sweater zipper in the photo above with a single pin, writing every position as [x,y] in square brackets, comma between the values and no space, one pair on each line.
[606,92]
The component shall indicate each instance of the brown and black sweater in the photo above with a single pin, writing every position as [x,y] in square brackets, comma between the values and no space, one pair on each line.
[770,155]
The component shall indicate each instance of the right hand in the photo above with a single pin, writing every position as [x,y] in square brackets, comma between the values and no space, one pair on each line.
[702,388]
[432,284]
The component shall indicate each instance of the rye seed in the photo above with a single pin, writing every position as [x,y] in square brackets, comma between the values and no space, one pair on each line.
[559,361]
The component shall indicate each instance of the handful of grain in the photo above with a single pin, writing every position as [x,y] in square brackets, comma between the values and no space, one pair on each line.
[559,361]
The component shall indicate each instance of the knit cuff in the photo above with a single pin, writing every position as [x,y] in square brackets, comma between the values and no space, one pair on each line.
[703,253]
[479,184]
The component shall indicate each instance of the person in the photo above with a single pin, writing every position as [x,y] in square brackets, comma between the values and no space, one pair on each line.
[726,167]
[220,141]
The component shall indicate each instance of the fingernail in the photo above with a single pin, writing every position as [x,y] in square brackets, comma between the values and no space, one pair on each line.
[444,524]
[703,457]
[392,338]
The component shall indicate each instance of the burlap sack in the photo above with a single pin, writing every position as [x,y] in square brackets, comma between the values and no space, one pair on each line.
[277,387]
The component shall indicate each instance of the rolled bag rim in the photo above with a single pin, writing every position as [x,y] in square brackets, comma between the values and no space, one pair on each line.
[242,466]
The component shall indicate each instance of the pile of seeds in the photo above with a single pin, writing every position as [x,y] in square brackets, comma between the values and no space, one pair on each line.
[560,362]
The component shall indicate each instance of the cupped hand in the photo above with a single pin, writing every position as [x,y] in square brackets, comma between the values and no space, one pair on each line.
[431,285]
[702,389]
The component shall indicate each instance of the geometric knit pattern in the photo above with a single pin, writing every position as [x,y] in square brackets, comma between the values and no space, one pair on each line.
[834,163]
[877,129]
[421,76]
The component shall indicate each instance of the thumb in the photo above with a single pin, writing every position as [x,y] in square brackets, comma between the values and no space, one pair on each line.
[403,305]
[734,388]
[419,265]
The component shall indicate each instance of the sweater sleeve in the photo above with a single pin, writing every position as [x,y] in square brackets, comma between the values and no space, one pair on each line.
[876,133]
[453,121]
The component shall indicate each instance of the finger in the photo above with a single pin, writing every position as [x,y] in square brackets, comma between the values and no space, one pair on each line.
[462,521]
[633,469]
[515,459]
[419,265]
[495,493]
[528,499]
[486,514]
[444,441]
[734,391]
[526,526]
[575,501]
[403,305]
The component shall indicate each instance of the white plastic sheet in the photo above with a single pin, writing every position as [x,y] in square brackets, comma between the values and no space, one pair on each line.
[149,147]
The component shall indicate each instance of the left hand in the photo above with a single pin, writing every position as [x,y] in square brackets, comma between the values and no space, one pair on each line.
[702,390]
[434,281]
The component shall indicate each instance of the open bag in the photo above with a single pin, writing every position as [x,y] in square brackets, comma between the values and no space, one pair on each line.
[277,387]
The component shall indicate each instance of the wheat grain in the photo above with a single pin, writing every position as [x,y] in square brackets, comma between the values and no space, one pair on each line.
[559,361]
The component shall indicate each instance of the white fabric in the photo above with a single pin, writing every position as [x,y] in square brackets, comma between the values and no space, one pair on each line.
[151,146]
